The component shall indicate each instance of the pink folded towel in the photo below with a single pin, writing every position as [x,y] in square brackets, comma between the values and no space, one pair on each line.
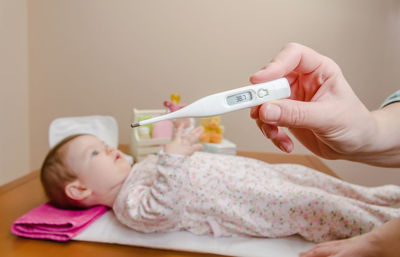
[48,222]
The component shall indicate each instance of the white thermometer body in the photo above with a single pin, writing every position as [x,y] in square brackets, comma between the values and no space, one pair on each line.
[228,101]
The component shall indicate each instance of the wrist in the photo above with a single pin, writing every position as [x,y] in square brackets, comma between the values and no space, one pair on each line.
[172,158]
[369,137]
[363,145]
[381,145]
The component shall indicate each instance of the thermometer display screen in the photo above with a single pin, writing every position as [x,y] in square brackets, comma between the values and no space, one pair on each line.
[239,98]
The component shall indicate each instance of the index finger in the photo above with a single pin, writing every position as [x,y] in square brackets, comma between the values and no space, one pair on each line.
[293,57]
[194,134]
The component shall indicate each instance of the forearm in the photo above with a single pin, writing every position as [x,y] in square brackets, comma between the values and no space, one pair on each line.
[382,148]
[154,203]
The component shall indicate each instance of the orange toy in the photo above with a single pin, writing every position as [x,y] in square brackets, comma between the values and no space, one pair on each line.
[212,130]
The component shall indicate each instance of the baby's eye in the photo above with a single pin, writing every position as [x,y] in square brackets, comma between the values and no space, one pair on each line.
[94,153]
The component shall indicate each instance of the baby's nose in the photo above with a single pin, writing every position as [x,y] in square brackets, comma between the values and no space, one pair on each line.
[109,149]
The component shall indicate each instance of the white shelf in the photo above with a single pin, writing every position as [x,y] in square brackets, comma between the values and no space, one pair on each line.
[141,147]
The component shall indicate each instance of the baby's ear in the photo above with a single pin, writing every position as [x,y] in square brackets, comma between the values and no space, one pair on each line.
[77,191]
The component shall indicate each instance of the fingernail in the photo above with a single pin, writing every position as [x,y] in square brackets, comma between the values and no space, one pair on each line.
[272,113]
[253,113]
[265,131]
[284,146]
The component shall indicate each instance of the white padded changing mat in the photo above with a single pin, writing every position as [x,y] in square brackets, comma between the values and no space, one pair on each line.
[107,229]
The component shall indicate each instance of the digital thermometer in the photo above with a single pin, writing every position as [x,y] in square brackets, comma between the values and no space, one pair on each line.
[228,101]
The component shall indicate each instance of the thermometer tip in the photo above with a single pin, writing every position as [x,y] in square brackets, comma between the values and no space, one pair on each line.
[134,125]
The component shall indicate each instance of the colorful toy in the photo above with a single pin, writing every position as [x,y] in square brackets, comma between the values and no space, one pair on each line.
[145,133]
[141,143]
[173,105]
[212,130]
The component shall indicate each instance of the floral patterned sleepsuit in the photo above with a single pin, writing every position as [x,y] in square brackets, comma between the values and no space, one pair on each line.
[227,195]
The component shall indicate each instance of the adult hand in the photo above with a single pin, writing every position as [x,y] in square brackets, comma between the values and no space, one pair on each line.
[323,112]
[184,145]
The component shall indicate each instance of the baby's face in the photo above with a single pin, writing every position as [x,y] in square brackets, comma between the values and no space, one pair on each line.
[99,166]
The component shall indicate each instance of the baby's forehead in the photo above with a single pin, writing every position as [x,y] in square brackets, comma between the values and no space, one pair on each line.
[87,138]
[76,150]
[82,142]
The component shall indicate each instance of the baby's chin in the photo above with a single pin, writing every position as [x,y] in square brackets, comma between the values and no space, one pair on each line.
[123,174]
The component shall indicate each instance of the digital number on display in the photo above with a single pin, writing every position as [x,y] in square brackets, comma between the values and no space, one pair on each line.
[239,98]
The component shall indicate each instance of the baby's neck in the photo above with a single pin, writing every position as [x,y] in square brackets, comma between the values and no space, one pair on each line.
[107,199]
[112,196]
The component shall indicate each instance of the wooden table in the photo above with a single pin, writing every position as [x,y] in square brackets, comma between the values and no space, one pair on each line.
[22,195]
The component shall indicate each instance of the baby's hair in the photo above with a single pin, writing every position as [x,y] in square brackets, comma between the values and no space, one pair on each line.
[55,174]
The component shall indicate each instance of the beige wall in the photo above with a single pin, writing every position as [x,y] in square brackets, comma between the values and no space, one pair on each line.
[14,128]
[106,57]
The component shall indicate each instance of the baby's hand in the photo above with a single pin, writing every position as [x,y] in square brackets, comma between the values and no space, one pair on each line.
[184,121]
[184,145]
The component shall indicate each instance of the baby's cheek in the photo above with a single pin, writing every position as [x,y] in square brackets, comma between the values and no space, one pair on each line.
[102,172]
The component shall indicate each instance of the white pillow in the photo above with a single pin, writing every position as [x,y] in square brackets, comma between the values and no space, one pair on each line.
[104,127]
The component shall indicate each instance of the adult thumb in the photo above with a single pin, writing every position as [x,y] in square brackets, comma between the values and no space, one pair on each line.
[293,114]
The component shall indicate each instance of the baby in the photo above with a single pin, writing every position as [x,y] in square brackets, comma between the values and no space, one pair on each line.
[221,195]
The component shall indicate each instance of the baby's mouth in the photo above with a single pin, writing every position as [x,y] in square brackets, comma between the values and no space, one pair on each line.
[117,156]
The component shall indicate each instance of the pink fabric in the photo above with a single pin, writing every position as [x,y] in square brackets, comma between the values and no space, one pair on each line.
[48,222]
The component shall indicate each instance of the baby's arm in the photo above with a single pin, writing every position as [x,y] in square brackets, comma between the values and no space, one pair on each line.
[184,145]
[154,202]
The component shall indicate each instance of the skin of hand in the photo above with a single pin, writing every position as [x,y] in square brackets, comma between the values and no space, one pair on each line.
[184,121]
[184,145]
[380,242]
[323,112]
